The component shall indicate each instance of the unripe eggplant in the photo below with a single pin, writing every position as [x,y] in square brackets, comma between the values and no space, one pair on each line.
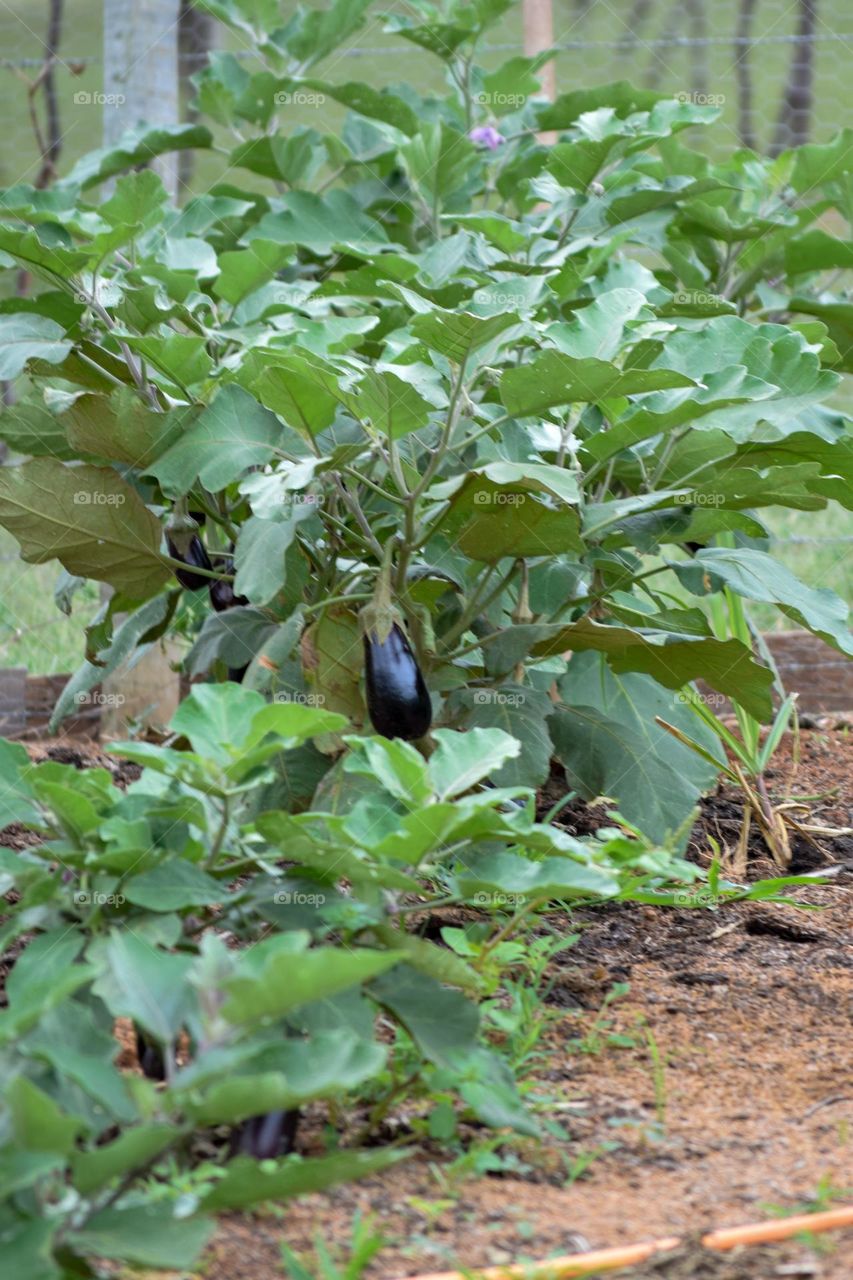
[196,555]
[265,1137]
[398,701]
[222,595]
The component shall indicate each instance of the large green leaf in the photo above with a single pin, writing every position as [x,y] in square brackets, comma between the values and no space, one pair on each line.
[232,434]
[604,757]
[29,337]
[86,517]
[135,1148]
[758,576]
[674,660]
[285,980]
[147,984]
[553,379]
[122,429]
[147,1235]
[136,147]
[521,712]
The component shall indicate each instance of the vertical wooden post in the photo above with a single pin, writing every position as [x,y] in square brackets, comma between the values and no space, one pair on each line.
[538,35]
[141,72]
[141,83]
[538,16]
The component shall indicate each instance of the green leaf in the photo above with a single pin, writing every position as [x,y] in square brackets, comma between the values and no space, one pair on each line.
[303,390]
[391,406]
[396,765]
[173,886]
[244,270]
[817,164]
[441,1021]
[322,224]
[458,334]
[375,104]
[16,797]
[604,757]
[554,379]
[521,713]
[37,1122]
[87,518]
[260,556]
[135,1148]
[284,980]
[28,1249]
[29,337]
[146,1235]
[232,434]
[509,875]
[439,162]
[295,1072]
[249,1182]
[673,660]
[122,429]
[146,984]
[496,512]
[757,576]
[30,428]
[461,760]
[136,147]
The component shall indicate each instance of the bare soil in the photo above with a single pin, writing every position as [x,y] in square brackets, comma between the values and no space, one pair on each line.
[726,1097]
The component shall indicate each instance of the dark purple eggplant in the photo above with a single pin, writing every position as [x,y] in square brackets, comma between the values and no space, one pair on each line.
[398,701]
[150,1056]
[195,555]
[222,596]
[266,1137]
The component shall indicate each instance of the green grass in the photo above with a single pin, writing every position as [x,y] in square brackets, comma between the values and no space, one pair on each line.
[33,632]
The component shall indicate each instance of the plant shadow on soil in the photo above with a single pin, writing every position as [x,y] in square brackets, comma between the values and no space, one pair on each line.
[749,1110]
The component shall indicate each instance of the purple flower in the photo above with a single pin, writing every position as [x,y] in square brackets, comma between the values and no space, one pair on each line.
[488,135]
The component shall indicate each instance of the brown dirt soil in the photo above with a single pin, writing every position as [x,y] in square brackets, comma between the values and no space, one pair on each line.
[728,1098]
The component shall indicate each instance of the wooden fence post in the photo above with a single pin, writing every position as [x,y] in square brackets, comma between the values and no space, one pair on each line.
[141,83]
[538,16]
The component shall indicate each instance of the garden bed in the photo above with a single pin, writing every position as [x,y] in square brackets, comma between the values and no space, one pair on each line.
[713,1092]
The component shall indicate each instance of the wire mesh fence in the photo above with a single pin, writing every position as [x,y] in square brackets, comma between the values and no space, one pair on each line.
[776,69]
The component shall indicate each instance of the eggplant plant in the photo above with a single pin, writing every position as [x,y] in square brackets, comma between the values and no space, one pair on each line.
[121,910]
[551,387]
